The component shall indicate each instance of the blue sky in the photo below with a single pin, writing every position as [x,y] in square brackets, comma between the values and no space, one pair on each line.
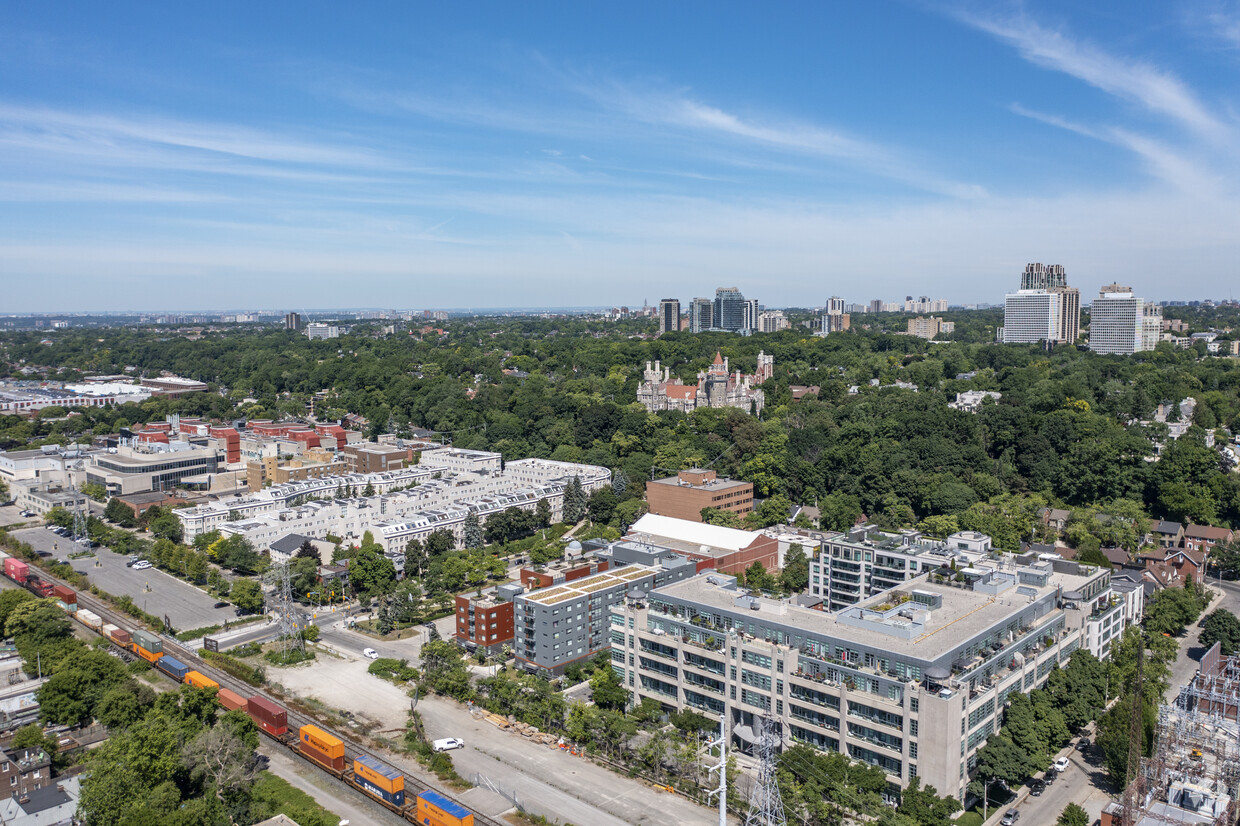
[286,155]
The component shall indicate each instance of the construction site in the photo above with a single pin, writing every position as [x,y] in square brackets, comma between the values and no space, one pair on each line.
[1193,776]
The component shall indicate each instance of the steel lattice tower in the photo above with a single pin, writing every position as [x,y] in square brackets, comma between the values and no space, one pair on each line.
[290,629]
[766,805]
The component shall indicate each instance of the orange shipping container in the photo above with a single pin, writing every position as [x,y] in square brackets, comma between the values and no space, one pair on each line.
[144,654]
[200,680]
[326,743]
[230,699]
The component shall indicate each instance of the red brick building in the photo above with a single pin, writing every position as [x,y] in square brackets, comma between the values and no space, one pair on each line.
[684,495]
[484,621]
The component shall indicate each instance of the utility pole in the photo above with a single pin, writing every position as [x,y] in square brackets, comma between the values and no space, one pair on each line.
[721,767]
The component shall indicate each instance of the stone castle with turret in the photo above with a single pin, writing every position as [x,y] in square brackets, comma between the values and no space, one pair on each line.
[717,386]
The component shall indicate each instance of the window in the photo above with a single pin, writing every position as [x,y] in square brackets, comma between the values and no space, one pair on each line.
[913,705]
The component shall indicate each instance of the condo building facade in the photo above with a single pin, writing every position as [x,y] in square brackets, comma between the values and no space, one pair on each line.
[912,680]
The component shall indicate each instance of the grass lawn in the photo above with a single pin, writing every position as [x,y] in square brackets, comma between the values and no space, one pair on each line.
[273,795]
[970,818]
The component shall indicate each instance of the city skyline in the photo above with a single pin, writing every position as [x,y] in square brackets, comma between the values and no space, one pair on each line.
[568,155]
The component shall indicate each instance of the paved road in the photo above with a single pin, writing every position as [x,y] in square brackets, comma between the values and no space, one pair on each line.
[1084,782]
[326,790]
[188,607]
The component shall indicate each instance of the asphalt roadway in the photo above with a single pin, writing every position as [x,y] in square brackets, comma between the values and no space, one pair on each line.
[152,590]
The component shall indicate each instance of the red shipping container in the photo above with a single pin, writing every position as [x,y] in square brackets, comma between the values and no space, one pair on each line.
[121,637]
[16,570]
[269,716]
[334,763]
[65,594]
[230,699]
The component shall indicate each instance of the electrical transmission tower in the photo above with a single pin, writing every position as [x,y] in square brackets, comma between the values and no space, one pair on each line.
[286,610]
[766,806]
[79,521]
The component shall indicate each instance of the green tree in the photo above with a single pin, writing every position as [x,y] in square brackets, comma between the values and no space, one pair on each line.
[794,578]
[71,695]
[247,595]
[370,572]
[1073,815]
[1002,759]
[472,531]
[924,806]
[10,599]
[602,505]
[607,690]
[718,516]
[1221,626]
[574,502]
[542,513]
[443,670]
[120,513]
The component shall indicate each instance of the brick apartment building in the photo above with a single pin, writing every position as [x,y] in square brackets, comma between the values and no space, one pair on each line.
[684,495]
[371,458]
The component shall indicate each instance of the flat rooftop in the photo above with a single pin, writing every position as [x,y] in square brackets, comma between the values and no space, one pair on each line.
[961,615]
[589,585]
[713,484]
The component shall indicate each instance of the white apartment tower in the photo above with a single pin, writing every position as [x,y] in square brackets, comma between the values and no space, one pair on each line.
[1044,309]
[1117,321]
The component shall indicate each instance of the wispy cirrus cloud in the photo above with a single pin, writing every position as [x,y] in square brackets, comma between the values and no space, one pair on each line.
[30,126]
[1165,162]
[1157,90]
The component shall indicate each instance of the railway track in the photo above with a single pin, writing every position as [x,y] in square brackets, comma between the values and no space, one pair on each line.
[296,719]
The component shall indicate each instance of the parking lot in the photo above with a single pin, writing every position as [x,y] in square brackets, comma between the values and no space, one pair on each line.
[152,590]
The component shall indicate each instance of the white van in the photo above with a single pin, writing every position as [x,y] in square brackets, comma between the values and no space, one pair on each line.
[448,744]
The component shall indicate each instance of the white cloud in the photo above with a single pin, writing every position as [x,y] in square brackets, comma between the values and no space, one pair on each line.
[1156,89]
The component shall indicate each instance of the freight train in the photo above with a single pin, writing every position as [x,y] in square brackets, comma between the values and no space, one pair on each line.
[372,777]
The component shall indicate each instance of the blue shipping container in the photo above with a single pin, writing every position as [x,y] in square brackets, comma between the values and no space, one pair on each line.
[397,799]
[173,667]
[444,804]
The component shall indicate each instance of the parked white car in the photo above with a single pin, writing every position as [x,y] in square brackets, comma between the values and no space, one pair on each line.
[141,565]
[1061,764]
[370,652]
[448,744]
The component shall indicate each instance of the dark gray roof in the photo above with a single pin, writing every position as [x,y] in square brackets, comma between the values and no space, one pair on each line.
[1169,528]
[289,544]
[44,798]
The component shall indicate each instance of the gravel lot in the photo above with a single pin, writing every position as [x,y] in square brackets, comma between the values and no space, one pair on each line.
[548,781]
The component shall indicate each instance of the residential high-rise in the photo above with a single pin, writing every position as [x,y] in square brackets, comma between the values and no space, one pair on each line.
[1151,326]
[835,306]
[1045,309]
[669,315]
[752,312]
[1043,277]
[701,315]
[834,323]
[876,306]
[1117,321]
[729,309]
[292,321]
[1032,316]
[772,321]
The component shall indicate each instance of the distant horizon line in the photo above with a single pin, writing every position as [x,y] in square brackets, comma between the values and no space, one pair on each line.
[475,311]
